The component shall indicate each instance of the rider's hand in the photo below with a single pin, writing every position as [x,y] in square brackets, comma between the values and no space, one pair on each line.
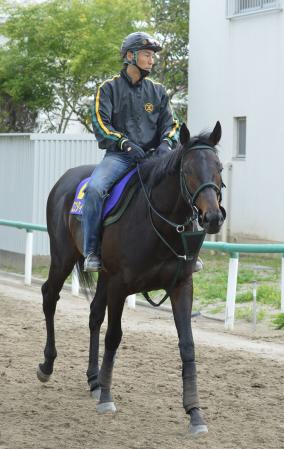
[163,148]
[134,151]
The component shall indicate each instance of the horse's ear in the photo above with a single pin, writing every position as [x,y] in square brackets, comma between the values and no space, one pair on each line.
[184,135]
[216,134]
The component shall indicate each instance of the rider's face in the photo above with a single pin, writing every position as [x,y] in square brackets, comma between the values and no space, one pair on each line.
[145,59]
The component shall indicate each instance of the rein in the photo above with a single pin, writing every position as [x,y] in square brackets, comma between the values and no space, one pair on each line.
[198,236]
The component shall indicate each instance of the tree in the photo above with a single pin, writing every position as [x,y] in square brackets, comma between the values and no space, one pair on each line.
[16,116]
[170,22]
[56,52]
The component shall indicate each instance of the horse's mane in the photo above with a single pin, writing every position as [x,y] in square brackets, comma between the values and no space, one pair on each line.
[154,169]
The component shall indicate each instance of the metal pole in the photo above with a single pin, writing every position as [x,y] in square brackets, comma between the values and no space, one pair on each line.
[231,291]
[282,284]
[254,306]
[29,258]
[131,301]
[75,282]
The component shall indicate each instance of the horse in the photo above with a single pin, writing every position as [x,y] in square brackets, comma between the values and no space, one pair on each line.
[140,253]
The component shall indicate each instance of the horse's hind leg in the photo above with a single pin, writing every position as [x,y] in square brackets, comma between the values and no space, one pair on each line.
[116,299]
[97,314]
[59,270]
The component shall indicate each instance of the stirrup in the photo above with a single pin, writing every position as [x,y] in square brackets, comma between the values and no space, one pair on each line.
[198,265]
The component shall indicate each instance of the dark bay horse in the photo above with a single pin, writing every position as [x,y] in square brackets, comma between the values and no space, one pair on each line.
[135,259]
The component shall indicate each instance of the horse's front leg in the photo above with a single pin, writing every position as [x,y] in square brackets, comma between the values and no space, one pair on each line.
[181,300]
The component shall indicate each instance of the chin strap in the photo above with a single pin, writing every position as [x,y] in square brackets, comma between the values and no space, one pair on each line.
[143,72]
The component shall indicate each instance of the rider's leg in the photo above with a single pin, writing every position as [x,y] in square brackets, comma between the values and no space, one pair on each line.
[112,167]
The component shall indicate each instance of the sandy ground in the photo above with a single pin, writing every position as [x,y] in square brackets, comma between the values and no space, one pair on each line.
[241,382]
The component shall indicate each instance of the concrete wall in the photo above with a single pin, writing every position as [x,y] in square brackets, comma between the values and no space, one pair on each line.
[236,69]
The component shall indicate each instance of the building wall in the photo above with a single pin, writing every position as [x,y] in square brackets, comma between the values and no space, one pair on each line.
[236,69]
[29,166]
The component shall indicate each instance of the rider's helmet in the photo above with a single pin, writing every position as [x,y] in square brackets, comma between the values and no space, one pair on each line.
[138,41]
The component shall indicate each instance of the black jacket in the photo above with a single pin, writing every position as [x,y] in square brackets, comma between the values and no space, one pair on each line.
[139,112]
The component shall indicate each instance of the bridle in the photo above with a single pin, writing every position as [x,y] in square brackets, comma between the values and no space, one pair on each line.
[190,199]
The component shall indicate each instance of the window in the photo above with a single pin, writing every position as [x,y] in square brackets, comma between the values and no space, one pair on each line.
[241,131]
[236,8]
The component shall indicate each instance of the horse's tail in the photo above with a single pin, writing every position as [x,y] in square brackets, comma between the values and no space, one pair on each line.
[88,281]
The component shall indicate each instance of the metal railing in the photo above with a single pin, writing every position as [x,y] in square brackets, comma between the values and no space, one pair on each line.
[233,249]
[236,8]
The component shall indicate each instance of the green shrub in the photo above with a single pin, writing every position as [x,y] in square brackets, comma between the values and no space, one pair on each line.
[278,321]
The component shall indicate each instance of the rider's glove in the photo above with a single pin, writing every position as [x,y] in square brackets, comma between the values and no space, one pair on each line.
[134,151]
[163,148]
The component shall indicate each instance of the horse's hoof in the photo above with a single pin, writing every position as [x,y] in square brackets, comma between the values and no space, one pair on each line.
[42,376]
[106,407]
[96,393]
[197,431]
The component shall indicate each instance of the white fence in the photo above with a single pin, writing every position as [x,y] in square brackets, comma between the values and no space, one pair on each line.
[30,164]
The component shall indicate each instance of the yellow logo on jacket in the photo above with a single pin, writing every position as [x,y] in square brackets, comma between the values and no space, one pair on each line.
[149,107]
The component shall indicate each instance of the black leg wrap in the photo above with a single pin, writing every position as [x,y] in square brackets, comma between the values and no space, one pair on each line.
[190,395]
[93,381]
[105,375]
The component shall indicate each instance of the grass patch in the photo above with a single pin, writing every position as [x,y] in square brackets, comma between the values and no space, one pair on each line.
[266,294]
[245,276]
[278,321]
[41,271]
[245,313]
[217,309]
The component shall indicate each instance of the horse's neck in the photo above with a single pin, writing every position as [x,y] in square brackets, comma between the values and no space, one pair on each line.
[166,198]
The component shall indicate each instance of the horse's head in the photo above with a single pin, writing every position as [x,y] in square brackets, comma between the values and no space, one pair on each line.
[201,180]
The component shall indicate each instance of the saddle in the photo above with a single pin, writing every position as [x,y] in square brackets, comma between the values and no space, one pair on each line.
[118,199]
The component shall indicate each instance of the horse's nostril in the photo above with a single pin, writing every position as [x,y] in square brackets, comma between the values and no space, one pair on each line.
[221,218]
[205,218]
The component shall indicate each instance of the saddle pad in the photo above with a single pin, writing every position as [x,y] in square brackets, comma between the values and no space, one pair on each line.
[113,198]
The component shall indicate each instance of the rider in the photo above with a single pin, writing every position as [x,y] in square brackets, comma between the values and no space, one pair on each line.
[132,115]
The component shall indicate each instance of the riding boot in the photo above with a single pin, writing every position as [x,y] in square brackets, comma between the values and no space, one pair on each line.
[92,213]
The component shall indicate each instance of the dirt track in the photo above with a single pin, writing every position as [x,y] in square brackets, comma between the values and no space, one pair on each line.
[241,392]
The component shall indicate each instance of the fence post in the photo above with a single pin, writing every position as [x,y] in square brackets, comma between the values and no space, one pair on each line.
[282,284]
[231,291]
[75,282]
[29,257]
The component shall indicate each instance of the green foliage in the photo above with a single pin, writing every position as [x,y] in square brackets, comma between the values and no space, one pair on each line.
[170,22]
[278,321]
[266,294]
[56,52]
[15,115]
